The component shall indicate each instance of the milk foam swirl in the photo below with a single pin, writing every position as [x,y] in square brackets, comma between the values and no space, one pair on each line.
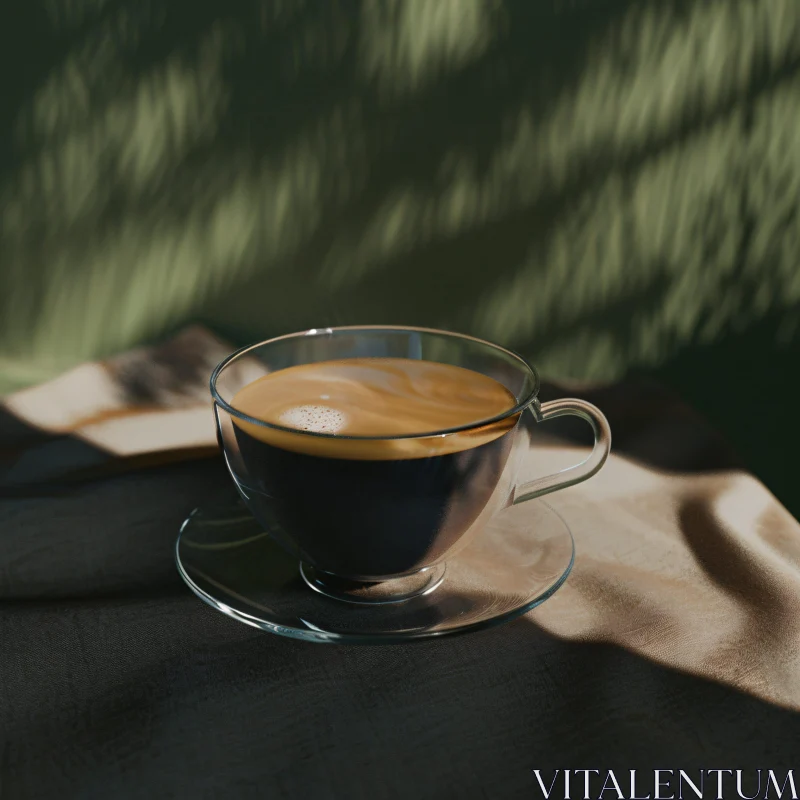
[375,397]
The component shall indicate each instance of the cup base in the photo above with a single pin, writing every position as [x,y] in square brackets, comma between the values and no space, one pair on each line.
[393,590]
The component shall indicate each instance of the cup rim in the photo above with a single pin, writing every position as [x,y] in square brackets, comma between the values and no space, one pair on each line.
[520,406]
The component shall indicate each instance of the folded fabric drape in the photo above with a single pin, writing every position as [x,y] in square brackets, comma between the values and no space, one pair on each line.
[682,556]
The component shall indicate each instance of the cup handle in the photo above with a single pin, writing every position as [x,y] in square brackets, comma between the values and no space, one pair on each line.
[579,472]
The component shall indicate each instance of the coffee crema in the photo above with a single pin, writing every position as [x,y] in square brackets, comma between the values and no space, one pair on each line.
[375,397]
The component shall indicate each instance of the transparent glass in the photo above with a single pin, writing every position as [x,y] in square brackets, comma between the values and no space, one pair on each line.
[376,531]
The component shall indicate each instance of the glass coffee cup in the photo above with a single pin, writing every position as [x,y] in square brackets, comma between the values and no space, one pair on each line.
[383,510]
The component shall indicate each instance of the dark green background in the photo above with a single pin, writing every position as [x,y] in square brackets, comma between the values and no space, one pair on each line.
[610,187]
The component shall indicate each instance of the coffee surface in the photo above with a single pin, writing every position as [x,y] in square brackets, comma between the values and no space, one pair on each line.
[375,397]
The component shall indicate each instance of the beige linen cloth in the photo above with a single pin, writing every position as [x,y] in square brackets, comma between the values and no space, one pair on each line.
[682,557]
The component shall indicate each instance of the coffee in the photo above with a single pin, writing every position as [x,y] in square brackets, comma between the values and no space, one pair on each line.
[383,505]
[375,397]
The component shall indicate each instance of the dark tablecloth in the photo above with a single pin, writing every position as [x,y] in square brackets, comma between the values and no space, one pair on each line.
[118,683]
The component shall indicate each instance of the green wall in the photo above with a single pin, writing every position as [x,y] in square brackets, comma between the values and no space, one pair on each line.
[610,187]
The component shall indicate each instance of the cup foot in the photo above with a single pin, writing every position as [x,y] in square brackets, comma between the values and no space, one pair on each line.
[394,590]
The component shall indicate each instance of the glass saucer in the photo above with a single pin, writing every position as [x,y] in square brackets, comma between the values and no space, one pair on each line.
[520,557]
